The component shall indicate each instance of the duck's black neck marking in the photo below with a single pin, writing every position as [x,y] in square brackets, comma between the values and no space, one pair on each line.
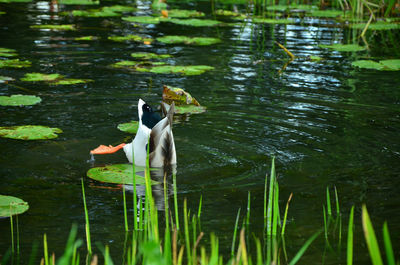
[149,118]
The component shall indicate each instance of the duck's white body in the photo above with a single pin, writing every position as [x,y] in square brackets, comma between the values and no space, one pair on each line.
[162,146]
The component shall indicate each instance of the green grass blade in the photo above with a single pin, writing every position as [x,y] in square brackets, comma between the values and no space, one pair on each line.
[125,211]
[200,205]
[234,234]
[325,223]
[285,216]
[337,202]
[135,216]
[265,200]
[248,211]
[12,231]
[87,228]
[166,205]
[45,250]
[276,215]
[270,198]
[388,245]
[328,202]
[187,237]
[175,201]
[370,238]
[350,238]
[304,248]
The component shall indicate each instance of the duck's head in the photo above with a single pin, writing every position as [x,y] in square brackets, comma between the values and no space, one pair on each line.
[147,116]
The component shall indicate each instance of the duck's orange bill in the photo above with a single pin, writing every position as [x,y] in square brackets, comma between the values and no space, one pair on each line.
[103,149]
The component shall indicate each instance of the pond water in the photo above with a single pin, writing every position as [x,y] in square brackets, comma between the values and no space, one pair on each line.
[326,122]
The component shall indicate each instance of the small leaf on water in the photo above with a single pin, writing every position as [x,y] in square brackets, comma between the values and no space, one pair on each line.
[35,77]
[194,22]
[380,25]
[54,27]
[129,127]
[130,38]
[10,205]
[72,81]
[188,40]
[119,173]
[19,100]
[181,13]
[14,63]
[149,55]
[142,19]
[185,70]
[78,2]
[29,132]
[393,64]
[344,47]
[383,65]
[86,38]
[189,109]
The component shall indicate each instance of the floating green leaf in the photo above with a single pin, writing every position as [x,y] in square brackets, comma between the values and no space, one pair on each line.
[283,8]
[194,22]
[325,13]
[35,77]
[10,205]
[228,13]
[14,63]
[188,40]
[384,65]
[94,13]
[344,47]
[78,2]
[315,58]
[19,100]
[6,52]
[29,132]
[393,64]
[130,38]
[185,70]
[142,19]
[119,173]
[15,1]
[181,13]
[129,127]
[119,8]
[149,55]
[380,25]
[139,66]
[272,20]
[72,81]
[86,38]
[55,27]
[189,109]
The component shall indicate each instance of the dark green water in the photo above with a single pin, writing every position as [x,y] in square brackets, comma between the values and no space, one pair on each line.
[327,124]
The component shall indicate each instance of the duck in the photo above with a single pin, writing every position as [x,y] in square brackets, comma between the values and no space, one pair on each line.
[154,133]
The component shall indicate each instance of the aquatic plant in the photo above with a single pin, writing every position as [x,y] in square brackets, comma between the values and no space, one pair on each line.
[14,63]
[6,52]
[19,100]
[29,132]
[344,47]
[130,37]
[201,41]
[129,127]
[149,55]
[118,173]
[182,13]
[383,65]
[143,19]
[54,27]
[10,205]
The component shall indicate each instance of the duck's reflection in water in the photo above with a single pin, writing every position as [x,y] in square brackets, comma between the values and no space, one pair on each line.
[158,176]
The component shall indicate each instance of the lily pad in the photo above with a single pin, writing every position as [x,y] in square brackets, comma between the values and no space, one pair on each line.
[188,40]
[35,77]
[29,132]
[10,205]
[14,63]
[325,13]
[344,47]
[384,65]
[78,2]
[72,81]
[19,100]
[130,38]
[54,27]
[6,52]
[227,13]
[119,173]
[15,1]
[86,38]
[272,20]
[315,58]
[139,66]
[189,109]
[149,55]
[129,127]
[94,13]
[185,70]
[380,25]
[181,13]
[142,19]
[194,22]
